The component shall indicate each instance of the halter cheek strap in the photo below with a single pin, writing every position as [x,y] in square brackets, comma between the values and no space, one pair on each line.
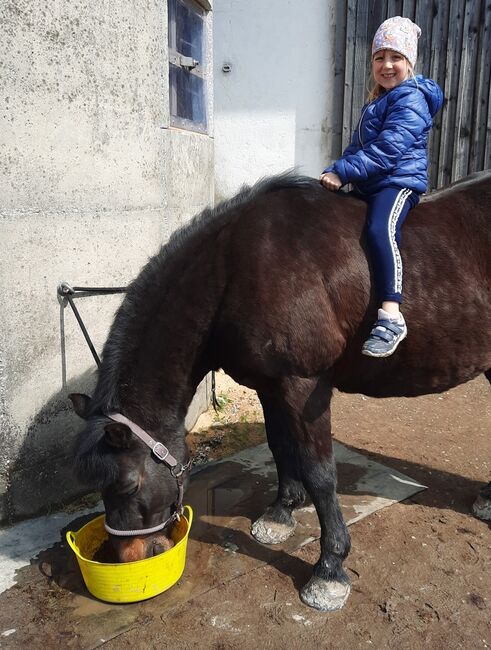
[161,452]
[159,449]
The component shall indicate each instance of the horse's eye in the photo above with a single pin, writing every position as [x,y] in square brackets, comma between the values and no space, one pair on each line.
[128,490]
[128,482]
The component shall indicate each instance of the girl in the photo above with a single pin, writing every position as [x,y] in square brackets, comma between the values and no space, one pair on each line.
[387,163]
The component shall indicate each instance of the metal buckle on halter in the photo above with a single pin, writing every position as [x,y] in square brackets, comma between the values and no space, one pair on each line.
[160,451]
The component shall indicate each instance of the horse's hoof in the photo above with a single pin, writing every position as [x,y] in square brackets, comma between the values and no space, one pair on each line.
[272,532]
[482,508]
[325,595]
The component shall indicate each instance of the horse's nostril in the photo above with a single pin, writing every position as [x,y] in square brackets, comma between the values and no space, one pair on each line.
[161,544]
[158,548]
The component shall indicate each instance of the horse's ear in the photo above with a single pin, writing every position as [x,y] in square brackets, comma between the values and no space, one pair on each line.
[81,404]
[118,435]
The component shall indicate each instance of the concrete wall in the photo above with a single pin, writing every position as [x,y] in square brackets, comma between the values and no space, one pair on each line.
[272,110]
[92,181]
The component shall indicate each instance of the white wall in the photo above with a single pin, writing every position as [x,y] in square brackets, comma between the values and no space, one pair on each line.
[271,109]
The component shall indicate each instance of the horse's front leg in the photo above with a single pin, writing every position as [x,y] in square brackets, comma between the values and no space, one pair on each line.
[278,522]
[307,404]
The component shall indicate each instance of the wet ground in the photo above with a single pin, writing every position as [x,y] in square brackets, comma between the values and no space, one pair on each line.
[420,568]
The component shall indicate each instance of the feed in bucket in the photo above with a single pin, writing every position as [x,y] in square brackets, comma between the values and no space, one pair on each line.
[131,581]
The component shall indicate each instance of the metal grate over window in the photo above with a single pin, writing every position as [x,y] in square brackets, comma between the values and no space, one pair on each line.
[187,83]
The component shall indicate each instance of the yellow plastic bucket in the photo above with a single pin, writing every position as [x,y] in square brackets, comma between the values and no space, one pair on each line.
[130,581]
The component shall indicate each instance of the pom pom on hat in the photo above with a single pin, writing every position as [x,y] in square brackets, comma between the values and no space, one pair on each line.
[398,34]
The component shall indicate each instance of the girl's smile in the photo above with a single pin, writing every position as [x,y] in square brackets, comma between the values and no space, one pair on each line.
[389,68]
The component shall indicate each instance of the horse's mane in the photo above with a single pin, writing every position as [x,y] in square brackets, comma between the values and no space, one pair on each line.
[150,286]
[458,186]
[214,218]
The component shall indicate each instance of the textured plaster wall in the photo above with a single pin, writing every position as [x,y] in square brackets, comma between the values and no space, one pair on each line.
[92,182]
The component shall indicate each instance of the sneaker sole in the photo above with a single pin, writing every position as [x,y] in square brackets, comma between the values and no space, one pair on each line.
[367,353]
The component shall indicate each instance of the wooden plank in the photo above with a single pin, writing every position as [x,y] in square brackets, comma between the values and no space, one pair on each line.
[409,9]
[454,46]
[394,8]
[465,94]
[362,62]
[337,120]
[437,71]
[377,13]
[423,17]
[349,71]
[481,138]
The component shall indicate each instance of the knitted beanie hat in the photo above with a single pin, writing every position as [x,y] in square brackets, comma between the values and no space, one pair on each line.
[398,34]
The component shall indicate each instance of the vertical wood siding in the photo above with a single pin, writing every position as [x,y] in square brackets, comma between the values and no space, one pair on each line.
[454,49]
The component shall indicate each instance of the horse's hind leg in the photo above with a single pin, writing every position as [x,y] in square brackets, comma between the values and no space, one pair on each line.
[482,505]
[307,408]
[278,522]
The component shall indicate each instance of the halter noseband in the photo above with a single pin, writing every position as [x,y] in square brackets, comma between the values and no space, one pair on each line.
[161,452]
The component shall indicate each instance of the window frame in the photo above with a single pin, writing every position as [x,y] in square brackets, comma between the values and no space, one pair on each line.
[178,59]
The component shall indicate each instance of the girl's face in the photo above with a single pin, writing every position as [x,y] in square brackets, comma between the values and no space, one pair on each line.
[389,68]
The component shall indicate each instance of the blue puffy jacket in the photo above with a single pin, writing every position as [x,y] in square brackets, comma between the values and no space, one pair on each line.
[389,145]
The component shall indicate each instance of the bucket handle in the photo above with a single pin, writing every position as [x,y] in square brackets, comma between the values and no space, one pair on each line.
[189,516]
[70,538]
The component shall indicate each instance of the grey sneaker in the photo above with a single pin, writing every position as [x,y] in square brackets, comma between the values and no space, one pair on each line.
[384,338]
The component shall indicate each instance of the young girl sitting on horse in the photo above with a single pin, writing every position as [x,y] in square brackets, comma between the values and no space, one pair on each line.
[387,164]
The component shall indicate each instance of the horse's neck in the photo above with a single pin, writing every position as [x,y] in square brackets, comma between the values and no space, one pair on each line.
[157,378]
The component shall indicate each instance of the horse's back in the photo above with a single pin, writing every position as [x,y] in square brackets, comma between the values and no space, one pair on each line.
[447,299]
[299,297]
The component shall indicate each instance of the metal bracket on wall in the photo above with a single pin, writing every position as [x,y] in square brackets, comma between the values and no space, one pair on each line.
[68,292]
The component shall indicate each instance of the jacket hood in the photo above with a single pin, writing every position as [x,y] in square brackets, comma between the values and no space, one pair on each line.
[432,92]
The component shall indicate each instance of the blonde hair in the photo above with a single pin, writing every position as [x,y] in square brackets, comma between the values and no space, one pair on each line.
[375,89]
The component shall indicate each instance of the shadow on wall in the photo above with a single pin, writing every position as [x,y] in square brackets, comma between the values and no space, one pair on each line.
[41,479]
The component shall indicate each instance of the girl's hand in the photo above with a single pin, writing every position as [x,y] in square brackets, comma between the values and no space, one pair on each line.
[331,181]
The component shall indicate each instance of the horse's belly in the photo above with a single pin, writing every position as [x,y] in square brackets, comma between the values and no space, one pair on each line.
[397,380]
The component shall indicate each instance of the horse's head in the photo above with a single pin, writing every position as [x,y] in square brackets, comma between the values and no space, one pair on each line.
[139,491]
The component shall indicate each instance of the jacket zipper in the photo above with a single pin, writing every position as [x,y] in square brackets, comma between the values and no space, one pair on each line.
[360,122]
[359,136]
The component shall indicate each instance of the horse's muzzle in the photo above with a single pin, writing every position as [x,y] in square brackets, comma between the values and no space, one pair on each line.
[140,548]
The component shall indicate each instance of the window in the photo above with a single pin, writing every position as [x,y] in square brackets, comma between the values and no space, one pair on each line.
[187,82]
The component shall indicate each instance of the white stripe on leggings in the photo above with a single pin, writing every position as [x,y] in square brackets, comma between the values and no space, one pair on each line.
[395,213]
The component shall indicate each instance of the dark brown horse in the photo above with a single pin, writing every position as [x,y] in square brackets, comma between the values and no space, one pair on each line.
[274,287]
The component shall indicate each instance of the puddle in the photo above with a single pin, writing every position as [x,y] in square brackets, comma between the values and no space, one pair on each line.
[225,498]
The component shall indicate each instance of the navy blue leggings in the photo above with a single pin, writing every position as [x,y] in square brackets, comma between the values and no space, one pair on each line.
[387,210]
